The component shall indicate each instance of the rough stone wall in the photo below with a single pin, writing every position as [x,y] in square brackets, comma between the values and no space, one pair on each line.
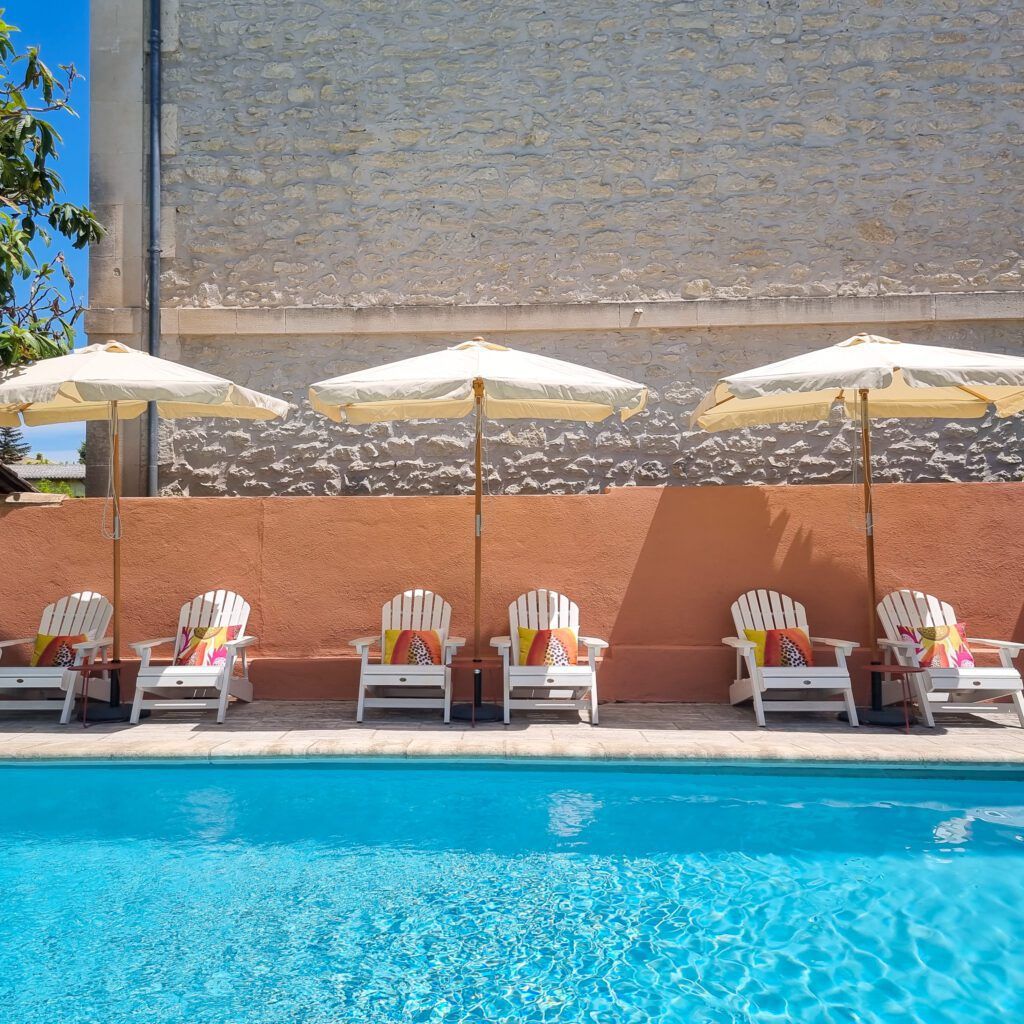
[377,152]
[307,454]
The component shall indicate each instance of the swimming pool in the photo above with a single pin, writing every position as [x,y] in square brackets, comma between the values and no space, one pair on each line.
[374,892]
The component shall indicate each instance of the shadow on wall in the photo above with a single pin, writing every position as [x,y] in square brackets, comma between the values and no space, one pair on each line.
[700,553]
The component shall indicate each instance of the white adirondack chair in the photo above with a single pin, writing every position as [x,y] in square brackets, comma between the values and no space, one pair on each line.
[547,687]
[409,686]
[786,689]
[207,687]
[950,690]
[86,614]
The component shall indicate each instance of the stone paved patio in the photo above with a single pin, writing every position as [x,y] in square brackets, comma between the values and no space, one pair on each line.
[277,728]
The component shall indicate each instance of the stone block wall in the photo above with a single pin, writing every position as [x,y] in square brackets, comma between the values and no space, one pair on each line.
[308,454]
[362,152]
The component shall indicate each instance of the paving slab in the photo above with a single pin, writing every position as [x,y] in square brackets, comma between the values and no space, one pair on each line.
[627,731]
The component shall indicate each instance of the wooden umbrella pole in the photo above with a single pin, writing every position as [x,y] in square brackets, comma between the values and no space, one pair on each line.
[478,391]
[869,519]
[115,471]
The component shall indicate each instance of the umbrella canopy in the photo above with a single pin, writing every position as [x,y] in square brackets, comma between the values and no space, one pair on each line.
[895,379]
[84,384]
[441,385]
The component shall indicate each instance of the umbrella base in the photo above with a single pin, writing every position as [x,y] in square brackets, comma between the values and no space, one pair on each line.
[97,713]
[477,713]
[894,718]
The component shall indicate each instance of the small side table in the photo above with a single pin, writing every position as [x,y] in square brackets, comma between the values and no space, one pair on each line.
[117,713]
[901,672]
[476,710]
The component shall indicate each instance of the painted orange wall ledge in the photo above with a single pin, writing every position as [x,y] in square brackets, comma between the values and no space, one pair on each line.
[653,569]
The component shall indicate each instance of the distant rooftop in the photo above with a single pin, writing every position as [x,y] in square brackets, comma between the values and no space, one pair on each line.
[49,471]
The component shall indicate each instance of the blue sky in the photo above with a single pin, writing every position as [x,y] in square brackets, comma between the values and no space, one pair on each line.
[61,31]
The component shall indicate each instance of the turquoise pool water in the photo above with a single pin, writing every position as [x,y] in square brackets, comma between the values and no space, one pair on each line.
[375,892]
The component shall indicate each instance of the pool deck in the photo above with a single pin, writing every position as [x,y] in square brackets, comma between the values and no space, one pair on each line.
[629,731]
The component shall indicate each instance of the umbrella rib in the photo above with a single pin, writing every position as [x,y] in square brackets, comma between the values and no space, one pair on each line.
[971,392]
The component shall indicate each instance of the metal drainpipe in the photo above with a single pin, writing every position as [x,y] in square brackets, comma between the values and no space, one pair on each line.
[153,291]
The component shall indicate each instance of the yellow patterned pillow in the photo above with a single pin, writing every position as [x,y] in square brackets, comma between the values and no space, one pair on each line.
[548,647]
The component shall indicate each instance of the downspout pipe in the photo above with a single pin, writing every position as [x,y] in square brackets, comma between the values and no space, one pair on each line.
[153,283]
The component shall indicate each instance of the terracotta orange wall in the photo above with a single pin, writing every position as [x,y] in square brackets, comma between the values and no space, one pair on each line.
[654,570]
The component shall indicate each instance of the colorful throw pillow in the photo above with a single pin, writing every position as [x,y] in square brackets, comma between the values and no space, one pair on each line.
[939,646]
[51,651]
[548,647]
[205,646]
[781,648]
[412,647]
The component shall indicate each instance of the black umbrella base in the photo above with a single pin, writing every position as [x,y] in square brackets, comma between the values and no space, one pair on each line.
[479,713]
[105,713]
[892,717]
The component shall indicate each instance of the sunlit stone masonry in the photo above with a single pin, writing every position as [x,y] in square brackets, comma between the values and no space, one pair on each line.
[668,191]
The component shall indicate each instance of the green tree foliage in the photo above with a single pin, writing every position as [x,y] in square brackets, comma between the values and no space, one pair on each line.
[54,487]
[38,305]
[13,447]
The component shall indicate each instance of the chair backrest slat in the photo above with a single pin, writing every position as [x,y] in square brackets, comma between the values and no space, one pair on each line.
[541,609]
[767,609]
[416,609]
[913,609]
[215,608]
[86,613]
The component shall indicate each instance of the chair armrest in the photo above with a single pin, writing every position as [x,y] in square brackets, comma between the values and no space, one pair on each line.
[593,641]
[898,645]
[94,645]
[740,645]
[999,645]
[846,646]
[14,643]
[503,643]
[363,643]
[148,645]
[455,641]
[241,642]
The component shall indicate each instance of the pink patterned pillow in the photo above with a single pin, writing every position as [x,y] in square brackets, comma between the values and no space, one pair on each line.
[939,646]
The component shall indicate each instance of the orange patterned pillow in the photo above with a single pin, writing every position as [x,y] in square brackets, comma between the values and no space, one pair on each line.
[51,651]
[412,647]
[548,647]
[781,648]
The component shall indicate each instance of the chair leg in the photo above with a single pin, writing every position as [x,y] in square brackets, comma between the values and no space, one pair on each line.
[362,698]
[507,695]
[851,707]
[69,702]
[137,705]
[922,700]
[593,701]
[758,706]
[222,703]
[447,696]
[1018,703]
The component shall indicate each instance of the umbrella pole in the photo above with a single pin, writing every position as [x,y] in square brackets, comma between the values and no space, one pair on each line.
[476,710]
[869,520]
[478,555]
[114,711]
[115,472]
[877,714]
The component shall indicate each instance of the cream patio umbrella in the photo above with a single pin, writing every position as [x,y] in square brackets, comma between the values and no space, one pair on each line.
[869,377]
[114,382]
[497,382]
